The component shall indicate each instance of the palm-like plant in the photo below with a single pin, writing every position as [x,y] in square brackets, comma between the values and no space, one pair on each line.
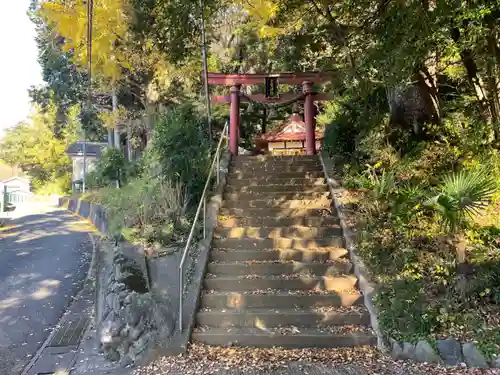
[461,197]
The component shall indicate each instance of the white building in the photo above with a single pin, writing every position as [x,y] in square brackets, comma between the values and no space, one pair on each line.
[92,153]
[15,184]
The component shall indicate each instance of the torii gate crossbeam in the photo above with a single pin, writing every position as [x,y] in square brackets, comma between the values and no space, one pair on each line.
[236,80]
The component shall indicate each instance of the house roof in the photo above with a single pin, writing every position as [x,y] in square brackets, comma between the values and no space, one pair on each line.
[91,148]
[7,172]
[15,178]
[291,130]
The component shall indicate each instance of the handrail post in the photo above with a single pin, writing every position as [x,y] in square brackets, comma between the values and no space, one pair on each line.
[204,217]
[181,290]
[218,168]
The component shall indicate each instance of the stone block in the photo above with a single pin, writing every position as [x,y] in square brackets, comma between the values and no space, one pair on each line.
[496,362]
[112,355]
[473,357]
[136,331]
[397,350]
[126,361]
[424,352]
[408,351]
[111,300]
[133,315]
[450,351]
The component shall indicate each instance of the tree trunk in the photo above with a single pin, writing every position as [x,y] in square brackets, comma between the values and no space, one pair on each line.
[474,78]
[411,106]
[129,141]
[150,119]
[465,270]
[493,78]
[114,101]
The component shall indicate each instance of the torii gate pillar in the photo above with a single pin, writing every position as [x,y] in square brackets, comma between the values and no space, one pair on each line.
[309,118]
[234,119]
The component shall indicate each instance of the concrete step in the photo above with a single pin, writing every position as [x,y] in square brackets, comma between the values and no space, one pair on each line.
[284,299]
[271,221]
[245,255]
[276,213]
[272,180]
[274,161]
[279,196]
[324,203]
[259,318]
[269,338]
[323,283]
[267,158]
[266,170]
[275,196]
[245,174]
[277,243]
[280,268]
[298,232]
[277,188]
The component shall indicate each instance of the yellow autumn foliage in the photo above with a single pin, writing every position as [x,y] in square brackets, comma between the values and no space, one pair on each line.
[263,14]
[111,118]
[110,20]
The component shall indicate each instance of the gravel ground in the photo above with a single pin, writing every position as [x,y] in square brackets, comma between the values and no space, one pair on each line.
[202,359]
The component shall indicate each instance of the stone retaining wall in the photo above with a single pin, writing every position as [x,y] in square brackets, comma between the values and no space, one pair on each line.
[130,320]
[449,352]
[365,285]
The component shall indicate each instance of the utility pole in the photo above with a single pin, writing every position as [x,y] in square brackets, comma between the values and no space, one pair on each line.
[90,6]
[205,71]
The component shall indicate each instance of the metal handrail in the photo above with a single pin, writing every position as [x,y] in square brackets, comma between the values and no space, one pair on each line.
[201,205]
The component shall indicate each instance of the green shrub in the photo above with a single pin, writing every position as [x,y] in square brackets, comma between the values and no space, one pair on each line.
[95,180]
[355,126]
[340,136]
[111,165]
[180,149]
[146,208]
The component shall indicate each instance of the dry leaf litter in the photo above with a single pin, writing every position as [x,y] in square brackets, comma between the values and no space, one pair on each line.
[204,359]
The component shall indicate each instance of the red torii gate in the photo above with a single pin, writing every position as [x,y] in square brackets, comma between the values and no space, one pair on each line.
[309,96]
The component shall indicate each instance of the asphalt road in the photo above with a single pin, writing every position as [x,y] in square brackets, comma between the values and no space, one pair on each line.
[43,262]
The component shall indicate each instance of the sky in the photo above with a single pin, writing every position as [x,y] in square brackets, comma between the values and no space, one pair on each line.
[19,69]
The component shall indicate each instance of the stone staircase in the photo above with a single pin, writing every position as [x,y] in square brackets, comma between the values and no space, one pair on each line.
[278,273]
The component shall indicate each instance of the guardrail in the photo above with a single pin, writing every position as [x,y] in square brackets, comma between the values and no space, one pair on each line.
[13,198]
[202,208]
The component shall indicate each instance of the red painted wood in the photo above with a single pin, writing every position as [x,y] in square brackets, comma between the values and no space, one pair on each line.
[257,79]
[310,120]
[225,99]
[234,120]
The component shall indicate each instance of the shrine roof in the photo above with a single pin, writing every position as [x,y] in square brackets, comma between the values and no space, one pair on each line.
[291,130]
